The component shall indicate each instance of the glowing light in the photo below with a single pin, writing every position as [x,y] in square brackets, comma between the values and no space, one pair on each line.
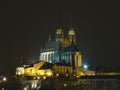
[59,31]
[20,71]
[44,77]
[57,75]
[65,84]
[49,73]
[67,75]
[74,75]
[4,79]
[34,85]
[50,61]
[71,32]
[26,88]
[77,76]
[34,78]
[38,78]
[85,66]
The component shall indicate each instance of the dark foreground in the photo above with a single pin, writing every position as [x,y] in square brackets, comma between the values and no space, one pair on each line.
[89,83]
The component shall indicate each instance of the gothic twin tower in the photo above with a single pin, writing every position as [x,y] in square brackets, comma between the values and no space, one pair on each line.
[71,35]
[62,49]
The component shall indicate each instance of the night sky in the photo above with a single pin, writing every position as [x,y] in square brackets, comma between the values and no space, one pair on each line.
[25,25]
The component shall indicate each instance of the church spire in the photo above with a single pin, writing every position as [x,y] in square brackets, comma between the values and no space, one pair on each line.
[72,35]
[59,33]
[59,19]
[49,38]
[71,32]
[71,22]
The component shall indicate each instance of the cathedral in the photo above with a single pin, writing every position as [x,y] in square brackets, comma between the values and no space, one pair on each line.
[58,56]
[62,49]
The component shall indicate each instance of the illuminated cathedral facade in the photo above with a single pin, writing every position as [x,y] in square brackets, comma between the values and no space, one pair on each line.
[58,56]
[62,49]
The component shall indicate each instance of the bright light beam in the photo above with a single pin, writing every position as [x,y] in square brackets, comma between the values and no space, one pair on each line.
[4,79]
[85,66]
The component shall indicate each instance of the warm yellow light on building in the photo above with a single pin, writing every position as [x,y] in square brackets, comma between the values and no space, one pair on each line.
[59,31]
[57,75]
[20,71]
[71,32]
[49,73]
[65,84]
[67,75]
[77,76]
[38,78]
[74,75]
[44,77]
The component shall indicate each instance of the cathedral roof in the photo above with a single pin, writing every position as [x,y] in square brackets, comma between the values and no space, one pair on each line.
[62,64]
[71,48]
[29,66]
[50,45]
[46,66]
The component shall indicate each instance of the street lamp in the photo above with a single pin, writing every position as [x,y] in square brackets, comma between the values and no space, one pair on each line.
[85,66]
[4,79]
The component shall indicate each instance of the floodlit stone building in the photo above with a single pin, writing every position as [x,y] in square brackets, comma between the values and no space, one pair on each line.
[99,82]
[62,49]
[59,55]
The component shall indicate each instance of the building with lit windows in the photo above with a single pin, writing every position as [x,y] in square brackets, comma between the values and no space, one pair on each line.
[62,53]
[61,59]
[40,68]
[62,49]
[99,82]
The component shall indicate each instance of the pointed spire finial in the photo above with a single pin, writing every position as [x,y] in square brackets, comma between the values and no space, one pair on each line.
[59,18]
[21,61]
[71,22]
[50,37]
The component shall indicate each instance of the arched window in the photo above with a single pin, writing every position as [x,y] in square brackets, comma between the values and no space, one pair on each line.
[77,60]
[52,57]
[45,57]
